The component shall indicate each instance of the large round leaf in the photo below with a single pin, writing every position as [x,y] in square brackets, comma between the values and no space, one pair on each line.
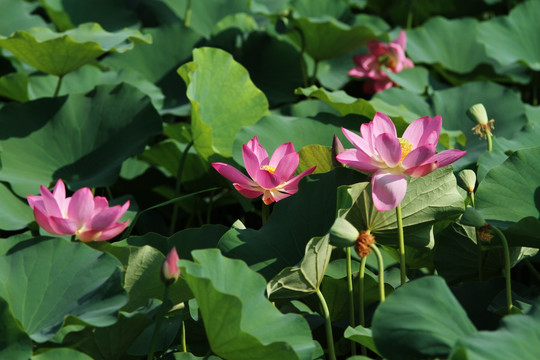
[61,53]
[508,39]
[442,41]
[325,37]
[223,100]
[16,15]
[512,185]
[46,279]
[81,139]
[239,320]
[14,342]
[517,338]
[422,319]
[14,213]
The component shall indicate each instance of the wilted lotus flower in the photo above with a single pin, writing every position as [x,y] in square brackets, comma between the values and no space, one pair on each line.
[89,218]
[170,270]
[369,66]
[271,177]
[379,151]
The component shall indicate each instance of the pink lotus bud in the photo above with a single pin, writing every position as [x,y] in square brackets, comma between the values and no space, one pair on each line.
[170,270]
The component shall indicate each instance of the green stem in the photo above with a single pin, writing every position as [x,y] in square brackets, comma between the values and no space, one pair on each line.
[381,271]
[506,268]
[265,213]
[187,14]
[177,187]
[209,211]
[184,346]
[315,69]
[159,319]
[361,313]
[531,267]
[410,15]
[328,326]
[58,85]
[351,296]
[402,264]
[490,143]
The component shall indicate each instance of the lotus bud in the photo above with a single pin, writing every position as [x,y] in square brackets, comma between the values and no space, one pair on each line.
[170,270]
[343,233]
[337,148]
[472,217]
[467,179]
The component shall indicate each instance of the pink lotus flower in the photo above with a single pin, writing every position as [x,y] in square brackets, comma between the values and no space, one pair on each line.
[270,177]
[370,65]
[379,151]
[170,270]
[83,215]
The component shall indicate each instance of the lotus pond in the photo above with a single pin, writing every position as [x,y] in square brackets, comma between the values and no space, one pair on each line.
[269,179]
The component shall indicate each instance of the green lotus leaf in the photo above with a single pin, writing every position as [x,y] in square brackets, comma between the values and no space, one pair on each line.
[325,37]
[61,354]
[315,155]
[508,39]
[456,255]
[361,335]
[53,276]
[15,86]
[511,185]
[420,320]
[442,41]
[159,61]
[17,15]
[60,53]
[223,100]
[14,213]
[14,342]
[82,139]
[340,101]
[239,321]
[517,338]
[414,79]
[304,279]
[111,15]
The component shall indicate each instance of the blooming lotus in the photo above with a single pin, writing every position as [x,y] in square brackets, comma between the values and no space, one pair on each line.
[379,151]
[89,218]
[170,270]
[270,177]
[369,66]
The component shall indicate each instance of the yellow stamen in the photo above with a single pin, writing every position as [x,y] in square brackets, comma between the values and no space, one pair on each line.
[270,169]
[406,147]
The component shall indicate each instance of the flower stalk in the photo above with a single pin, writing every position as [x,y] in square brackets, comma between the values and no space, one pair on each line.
[402,264]
[375,249]
[327,326]
[507,273]
[350,290]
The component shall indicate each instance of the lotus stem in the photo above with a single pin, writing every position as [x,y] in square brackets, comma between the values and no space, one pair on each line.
[184,346]
[58,85]
[402,268]
[328,326]
[187,14]
[159,319]
[315,69]
[490,143]
[507,274]
[265,213]
[361,314]
[351,296]
[381,271]
[177,188]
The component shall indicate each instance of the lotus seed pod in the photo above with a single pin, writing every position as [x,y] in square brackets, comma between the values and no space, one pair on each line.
[467,179]
[472,217]
[478,114]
